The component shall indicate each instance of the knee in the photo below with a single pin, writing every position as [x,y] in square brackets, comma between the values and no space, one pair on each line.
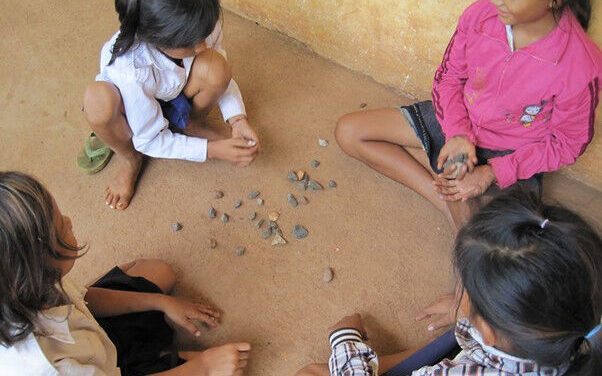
[101,103]
[157,271]
[346,132]
[310,370]
[212,69]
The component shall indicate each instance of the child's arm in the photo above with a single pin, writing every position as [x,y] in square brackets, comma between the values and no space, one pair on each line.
[572,128]
[107,302]
[350,355]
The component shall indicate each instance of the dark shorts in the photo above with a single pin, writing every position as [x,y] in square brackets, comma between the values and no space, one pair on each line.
[177,111]
[421,117]
[140,337]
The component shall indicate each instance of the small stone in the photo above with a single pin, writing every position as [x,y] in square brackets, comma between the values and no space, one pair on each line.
[259,201]
[301,185]
[225,218]
[332,184]
[259,223]
[459,160]
[327,275]
[274,215]
[300,174]
[314,163]
[218,194]
[237,204]
[292,200]
[300,232]
[278,240]
[314,185]
[291,176]
[176,226]
[240,251]
[252,216]
[266,233]
[323,143]
[363,105]
[253,195]
[212,213]
[278,232]
[212,243]
[306,179]
[273,225]
[303,200]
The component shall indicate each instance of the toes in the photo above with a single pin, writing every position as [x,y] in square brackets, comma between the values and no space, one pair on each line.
[109,199]
[122,204]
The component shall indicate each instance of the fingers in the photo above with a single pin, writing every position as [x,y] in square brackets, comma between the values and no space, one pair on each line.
[188,325]
[208,310]
[439,323]
[203,317]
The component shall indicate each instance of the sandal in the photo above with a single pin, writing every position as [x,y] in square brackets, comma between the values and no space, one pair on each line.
[95,155]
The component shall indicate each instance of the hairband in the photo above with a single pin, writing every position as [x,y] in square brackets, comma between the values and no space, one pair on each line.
[593,332]
[544,223]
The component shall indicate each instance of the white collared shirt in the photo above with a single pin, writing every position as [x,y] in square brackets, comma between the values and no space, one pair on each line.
[69,343]
[144,74]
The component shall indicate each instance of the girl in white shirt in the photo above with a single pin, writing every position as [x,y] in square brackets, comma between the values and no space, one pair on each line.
[48,325]
[160,74]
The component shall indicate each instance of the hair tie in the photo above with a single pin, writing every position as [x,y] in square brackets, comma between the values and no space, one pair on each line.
[544,223]
[593,332]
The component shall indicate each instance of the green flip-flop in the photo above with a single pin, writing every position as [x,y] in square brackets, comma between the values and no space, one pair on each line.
[94,156]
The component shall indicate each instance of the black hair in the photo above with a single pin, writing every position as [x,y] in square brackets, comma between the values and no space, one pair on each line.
[582,9]
[537,283]
[29,283]
[164,23]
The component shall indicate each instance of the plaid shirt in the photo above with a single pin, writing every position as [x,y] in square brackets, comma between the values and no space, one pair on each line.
[352,357]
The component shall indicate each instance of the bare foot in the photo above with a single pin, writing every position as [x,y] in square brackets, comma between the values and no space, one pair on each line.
[460,212]
[120,190]
[227,360]
[197,127]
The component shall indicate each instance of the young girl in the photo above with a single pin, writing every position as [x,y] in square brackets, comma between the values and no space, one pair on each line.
[165,63]
[515,96]
[48,324]
[529,301]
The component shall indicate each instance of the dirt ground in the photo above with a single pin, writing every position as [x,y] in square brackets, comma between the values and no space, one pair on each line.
[394,248]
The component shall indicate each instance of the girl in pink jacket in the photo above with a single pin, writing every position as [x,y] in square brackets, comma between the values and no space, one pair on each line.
[515,96]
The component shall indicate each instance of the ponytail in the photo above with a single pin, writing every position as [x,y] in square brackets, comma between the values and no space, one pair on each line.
[588,357]
[129,11]
[582,9]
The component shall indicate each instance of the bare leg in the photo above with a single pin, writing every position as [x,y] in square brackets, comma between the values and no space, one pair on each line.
[314,370]
[104,111]
[379,138]
[209,78]
[387,362]
[157,271]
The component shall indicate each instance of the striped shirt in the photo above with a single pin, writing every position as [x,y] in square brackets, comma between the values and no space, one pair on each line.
[352,357]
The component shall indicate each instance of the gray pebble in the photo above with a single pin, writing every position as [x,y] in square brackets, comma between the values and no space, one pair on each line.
[240,251]
[212,213]
[218,194]
[291,176]
[252,216]
[301,185]
[327,275]
[459,158]
[314,163]
[299,232]
[259,223]
[237,204]
[259,201]
[266,233]
[303,200]
[292,200]
[323,143]
[314,185]
[332,184]
[253,195]
[176,226]
[273,225]
[225,218]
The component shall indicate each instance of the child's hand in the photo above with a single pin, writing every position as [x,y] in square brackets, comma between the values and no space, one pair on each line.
[242,129]
[183,312]
[234,150]
[473,184]
[443,309]
[458,145]
[354,321]
[226,360]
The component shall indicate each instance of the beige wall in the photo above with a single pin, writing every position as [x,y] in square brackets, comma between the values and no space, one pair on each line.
[397,42]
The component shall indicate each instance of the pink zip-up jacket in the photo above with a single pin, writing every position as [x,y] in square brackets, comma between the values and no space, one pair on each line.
[539,101]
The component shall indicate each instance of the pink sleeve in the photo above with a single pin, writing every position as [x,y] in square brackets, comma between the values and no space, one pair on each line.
[572,128]
[448,87]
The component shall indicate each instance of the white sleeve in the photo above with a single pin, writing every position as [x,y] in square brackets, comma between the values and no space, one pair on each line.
[230,103]
[150,133]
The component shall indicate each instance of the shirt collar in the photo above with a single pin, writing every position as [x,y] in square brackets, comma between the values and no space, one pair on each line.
[54,323]
[550,48]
